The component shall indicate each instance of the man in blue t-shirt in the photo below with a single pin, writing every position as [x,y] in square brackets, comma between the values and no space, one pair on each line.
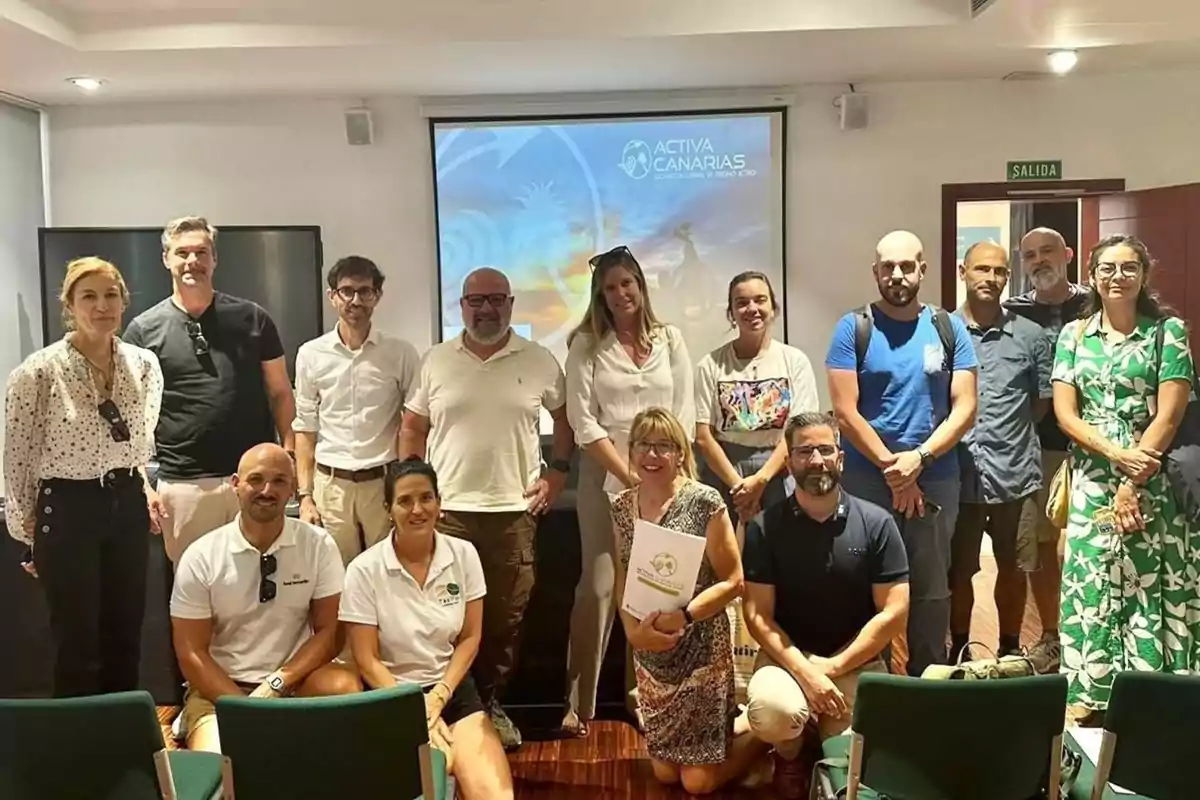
[902,413]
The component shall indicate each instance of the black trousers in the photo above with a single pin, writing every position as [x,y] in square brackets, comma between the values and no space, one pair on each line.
[91,551]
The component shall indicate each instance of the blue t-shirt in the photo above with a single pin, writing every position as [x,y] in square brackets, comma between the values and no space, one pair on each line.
[903,389]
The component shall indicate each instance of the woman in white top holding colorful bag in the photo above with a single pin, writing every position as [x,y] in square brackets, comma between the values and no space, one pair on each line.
[621,361]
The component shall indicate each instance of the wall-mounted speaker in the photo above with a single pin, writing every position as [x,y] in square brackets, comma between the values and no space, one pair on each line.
[853,111]
[359,129]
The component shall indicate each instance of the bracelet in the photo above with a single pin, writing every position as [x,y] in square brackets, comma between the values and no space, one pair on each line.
[444,685]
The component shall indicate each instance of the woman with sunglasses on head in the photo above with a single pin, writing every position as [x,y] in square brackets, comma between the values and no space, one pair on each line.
[80,419]
[412,605]
[746,391]
[684,659]
[1129,592]
[621,360]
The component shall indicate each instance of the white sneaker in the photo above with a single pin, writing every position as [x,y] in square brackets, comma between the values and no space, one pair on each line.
[177,730]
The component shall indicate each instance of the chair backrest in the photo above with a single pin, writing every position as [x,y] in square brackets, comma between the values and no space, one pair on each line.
[1156,720]
[359,745]
[98,748]
[947,740]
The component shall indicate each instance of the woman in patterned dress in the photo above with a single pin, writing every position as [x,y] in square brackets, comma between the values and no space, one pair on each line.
[683,659]
[1129,595]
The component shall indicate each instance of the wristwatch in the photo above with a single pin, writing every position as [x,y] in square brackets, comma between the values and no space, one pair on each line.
[275,681]
[926,456]
[562,465]
[687,615]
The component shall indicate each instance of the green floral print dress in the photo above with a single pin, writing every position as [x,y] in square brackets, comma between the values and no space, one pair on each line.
[1129,601]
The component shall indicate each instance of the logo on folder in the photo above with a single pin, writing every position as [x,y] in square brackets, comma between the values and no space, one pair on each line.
[664,564]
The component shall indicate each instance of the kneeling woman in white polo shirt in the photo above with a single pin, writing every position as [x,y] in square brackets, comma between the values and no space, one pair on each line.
[413,608]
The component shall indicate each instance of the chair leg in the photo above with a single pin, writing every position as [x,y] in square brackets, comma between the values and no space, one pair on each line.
[227,792]
[166,780]
[1108,746]
[1056,745]
[425,757]
[854,777]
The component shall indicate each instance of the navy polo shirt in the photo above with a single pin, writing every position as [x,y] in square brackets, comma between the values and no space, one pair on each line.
[824,572]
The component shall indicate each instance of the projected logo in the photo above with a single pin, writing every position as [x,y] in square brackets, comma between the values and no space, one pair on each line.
[635,159]
[682,158]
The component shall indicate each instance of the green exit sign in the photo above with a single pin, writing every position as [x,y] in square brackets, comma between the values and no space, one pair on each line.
[1035,171]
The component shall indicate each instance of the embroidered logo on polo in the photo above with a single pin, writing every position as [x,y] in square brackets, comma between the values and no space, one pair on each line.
[448,595]
[296,580]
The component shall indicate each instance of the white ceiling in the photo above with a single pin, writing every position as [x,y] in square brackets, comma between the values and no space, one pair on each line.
[159,49]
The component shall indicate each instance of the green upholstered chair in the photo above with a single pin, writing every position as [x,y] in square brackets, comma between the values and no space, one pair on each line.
[1151,737]
[916,739]
[372,744]
[107,747]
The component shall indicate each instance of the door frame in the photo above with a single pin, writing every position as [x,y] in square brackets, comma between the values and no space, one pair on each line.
[954,193]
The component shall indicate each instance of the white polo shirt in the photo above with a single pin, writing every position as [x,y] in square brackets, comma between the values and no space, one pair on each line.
[418,626]
[218,579]
[484,439]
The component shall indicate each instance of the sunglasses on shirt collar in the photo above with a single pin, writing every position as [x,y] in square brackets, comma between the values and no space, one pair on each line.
[199,343]
[266,586]
[118,427]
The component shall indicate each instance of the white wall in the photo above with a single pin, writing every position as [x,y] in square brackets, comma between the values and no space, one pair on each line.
[22,212]
[286,161]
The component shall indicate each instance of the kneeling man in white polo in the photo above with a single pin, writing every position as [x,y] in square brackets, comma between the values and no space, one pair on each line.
[254,608]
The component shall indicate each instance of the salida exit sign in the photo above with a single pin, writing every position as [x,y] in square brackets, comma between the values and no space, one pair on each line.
[1035,171]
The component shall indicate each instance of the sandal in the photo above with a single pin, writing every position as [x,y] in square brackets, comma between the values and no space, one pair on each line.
[573,727]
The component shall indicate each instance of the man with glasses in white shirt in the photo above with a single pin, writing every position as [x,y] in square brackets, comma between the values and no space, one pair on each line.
[350,389]
[475,414]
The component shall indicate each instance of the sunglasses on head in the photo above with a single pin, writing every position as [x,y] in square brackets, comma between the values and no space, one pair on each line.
[266,587]
[118,427]
[618,253]
[199,343]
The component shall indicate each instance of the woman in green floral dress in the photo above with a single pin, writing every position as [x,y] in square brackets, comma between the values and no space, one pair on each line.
[1130,595]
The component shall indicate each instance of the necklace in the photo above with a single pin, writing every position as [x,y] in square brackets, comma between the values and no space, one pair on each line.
[104,374]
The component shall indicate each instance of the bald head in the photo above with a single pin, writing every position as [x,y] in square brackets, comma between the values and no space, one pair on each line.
[988,251]
[264,482]
[899,246]
[486,280]
[265,455]
[1038,234]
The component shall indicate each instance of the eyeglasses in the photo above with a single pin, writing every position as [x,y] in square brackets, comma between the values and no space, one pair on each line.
[658,448]
[365,294]
[266,587]
[618,253]
[118,427]
[496,300]
[1128,269]
[199,343]
[804,452]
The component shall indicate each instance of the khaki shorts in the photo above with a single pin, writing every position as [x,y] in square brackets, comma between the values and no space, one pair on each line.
[199,711]
[778,709]
[1035,528]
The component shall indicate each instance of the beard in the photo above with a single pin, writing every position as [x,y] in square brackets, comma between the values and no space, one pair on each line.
[1045,278]
[897,294]
[817,481]
[487,332]
[263,511]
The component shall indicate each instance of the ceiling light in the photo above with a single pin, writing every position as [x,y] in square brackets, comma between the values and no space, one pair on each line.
[1062,61]
[87,84]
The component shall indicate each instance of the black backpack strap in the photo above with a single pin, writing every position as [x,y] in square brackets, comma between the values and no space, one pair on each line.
[945,331]
[864,324]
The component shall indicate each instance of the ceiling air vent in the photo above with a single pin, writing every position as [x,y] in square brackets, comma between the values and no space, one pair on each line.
[979,6]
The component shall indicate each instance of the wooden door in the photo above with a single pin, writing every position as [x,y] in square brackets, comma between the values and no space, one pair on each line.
[1167,219]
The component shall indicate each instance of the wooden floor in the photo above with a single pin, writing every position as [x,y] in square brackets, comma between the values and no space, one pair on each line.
[612,762]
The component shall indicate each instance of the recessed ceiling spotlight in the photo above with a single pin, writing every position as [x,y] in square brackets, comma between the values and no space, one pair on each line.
[1062,61]
[87,84]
